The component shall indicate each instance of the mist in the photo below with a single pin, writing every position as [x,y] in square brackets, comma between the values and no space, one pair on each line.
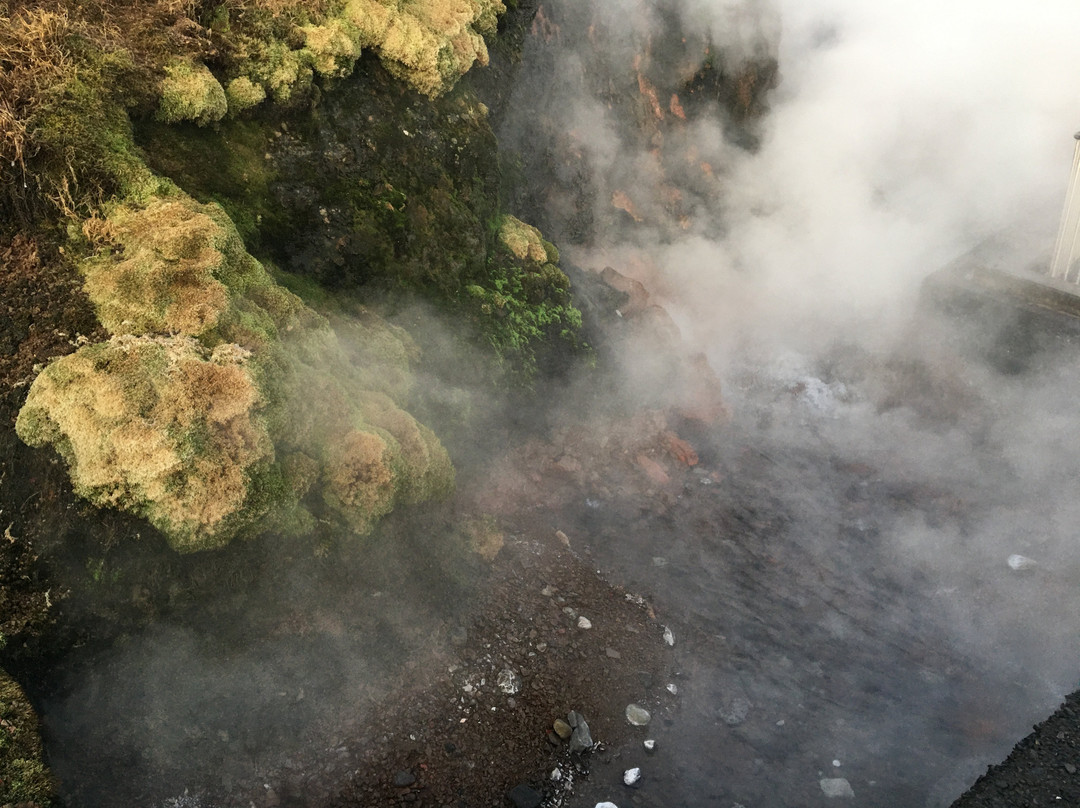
[792,250]
[839,563]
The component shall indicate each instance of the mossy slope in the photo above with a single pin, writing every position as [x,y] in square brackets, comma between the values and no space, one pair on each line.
[220,398]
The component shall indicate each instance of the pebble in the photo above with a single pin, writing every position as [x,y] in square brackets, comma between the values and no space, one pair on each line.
[1019,562]
[581,738]
[612,653]
[837,787]
[650,745]
[673,689]
[524,796]
[404,778]
[632,777]
[735,711]
[605,805]
[548,591]
[508,681]
[563,730]
[584,622]
[669,636]
[637,715]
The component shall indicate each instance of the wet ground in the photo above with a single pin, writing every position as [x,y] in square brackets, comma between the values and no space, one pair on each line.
[832,562]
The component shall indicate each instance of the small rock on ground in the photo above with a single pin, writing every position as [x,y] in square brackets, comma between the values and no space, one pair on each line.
[837,787]
[524,796]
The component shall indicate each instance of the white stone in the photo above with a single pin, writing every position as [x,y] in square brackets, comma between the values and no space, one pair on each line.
[631,776]
[673,690]
[637,715]
[669,636]
[584,622]
[837,787]
[509,682]
[605,805]
[1019,562]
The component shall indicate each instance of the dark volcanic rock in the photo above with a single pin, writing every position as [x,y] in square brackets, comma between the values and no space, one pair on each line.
[1037,772]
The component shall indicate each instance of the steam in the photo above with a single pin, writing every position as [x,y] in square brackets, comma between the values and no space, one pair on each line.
[902,136]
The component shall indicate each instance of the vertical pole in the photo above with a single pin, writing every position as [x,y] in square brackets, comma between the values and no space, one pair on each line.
[1068,240]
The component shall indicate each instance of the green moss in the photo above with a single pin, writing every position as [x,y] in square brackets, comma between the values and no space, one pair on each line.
[226,164]
[156,426]
[24,778]
[243,94]
[189,92]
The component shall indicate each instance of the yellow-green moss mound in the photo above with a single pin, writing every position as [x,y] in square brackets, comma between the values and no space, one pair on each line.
[221,398]
[154,425]
[429,44]
[24,779]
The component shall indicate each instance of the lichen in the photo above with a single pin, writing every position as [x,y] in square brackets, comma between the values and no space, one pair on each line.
[189,92]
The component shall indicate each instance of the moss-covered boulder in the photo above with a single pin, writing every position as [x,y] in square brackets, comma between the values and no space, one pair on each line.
[24,779]
[158,426]
[221,399]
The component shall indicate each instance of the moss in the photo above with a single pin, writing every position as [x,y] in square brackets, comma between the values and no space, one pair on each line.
[523,240]
[243,94]
[333,47]
[178,267]
[189,92]
[225,164]
[24,778]
[154,425]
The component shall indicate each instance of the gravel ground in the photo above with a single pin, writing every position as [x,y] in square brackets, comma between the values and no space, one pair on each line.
[1041,770]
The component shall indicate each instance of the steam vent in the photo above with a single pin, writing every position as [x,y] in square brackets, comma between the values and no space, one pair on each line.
[1017,310]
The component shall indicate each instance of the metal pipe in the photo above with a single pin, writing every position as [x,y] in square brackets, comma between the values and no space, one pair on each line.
[1068,240]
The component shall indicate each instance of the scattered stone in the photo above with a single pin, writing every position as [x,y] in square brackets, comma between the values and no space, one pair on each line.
[836,763]
[580,739]
[1071,769]
[563,730]
[612,653]
[837,787]
[567,610]
[735,711]
[669,636]
[659,561]
[1018,562]
[404,778]
[508,681]
[605,805]
[632,777]
[637,715]
[673,689]
[573,717]
[650,745]
[548,591]
[584,622]
[562,537]
[524,796]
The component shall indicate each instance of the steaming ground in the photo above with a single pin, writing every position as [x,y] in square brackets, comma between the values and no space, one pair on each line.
[837,572]
[905,467]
